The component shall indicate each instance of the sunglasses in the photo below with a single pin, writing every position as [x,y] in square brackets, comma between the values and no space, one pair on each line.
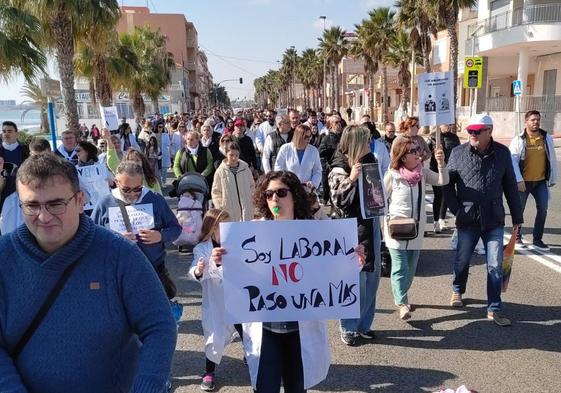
[414,151]
[281,193]
[476,132]
[128,190]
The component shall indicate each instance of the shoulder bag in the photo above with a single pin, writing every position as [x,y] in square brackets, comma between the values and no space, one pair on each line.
[406,228]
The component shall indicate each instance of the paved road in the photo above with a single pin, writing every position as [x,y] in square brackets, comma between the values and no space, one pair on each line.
[440,346]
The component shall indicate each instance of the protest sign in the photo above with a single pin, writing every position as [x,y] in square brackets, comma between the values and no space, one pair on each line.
[436,99]
[93,181]
[109,117]
[278,271]
[372,201]
[141,217]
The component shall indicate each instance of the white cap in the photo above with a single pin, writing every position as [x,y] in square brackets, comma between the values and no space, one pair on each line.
[479,122]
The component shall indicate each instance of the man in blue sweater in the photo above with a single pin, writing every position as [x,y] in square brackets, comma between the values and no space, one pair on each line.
[151,229]
[110,329]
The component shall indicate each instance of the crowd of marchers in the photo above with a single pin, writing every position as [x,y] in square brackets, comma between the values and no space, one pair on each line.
[87,301]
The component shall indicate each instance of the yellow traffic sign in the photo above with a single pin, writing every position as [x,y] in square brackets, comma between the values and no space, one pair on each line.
[473,72]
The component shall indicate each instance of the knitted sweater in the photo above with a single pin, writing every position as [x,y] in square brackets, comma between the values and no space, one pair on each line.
[110,329]
[164,221]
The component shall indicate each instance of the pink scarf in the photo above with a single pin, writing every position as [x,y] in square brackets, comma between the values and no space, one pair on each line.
[412,176]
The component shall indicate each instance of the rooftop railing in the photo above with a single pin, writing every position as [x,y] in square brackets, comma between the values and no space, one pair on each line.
[531,14]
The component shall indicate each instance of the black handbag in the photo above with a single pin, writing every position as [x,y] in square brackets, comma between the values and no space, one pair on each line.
[406,228]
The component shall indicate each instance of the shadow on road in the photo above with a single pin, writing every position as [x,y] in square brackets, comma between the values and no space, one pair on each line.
[434,263]
[534,327]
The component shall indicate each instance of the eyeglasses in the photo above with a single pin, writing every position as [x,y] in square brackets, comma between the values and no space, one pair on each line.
[128,190]
[56,207]
[281,193]
[414,151]
[476,132]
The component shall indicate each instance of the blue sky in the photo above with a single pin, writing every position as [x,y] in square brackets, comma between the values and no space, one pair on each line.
[245,38]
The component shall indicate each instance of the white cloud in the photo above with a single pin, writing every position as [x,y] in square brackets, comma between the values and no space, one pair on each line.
[318,24]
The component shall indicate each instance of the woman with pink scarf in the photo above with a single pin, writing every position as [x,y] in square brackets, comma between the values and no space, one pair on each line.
[405,180]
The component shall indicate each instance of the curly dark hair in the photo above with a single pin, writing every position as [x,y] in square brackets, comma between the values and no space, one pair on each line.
[302,205]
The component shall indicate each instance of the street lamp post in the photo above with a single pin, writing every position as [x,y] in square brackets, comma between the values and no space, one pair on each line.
[472,94]
[324,87]
[293,104]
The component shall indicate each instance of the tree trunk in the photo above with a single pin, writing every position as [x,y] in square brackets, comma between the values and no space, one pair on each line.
[425,49]
[45,126]
[372,98]
[385,91]
[412,84]
[155,104]
[138,106]
[62,29]
[451,22]
[404,87]
[102,83]
[91,86]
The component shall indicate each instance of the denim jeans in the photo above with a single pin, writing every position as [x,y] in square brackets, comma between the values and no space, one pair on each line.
[493,243]
[538,189]
[404,266]
[368,287]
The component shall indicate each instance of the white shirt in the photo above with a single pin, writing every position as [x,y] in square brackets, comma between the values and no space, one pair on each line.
[307,170]
[261,135]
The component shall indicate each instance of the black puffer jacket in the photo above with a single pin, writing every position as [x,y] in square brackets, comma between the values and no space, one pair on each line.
[346,198]
[327,147]
[449,141]
[477,183]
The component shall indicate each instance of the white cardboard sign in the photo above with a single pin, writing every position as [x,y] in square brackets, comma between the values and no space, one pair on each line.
[141,217]
[436,99]
[93,179]
[278,271]
[109,117]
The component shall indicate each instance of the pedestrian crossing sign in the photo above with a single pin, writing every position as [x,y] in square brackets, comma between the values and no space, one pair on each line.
[473,72]
[517,87]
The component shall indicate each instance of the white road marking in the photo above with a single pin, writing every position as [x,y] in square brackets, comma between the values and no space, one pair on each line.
[547,259]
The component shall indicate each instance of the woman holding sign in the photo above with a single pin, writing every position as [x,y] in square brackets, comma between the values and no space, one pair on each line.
[94,176]
[405,185]
[352,153]
[294,353]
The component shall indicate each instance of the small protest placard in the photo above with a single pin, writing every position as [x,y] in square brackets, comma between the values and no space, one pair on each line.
[141,217]
[93,181]
[109,117]
[297,270]
[372,200]
[436,99]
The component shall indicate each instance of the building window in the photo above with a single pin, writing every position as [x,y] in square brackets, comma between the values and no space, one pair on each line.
[496,4]
[549,82]
[439,52]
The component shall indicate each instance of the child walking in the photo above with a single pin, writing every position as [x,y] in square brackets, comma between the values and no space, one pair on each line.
[204,269]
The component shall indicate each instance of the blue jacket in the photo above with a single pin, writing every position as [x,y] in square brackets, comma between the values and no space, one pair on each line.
[110,330]
[164,221]
[477,184]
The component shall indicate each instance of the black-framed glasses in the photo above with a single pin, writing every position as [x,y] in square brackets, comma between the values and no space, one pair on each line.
[476,132]
[280,192]
[414,151]
[56,207]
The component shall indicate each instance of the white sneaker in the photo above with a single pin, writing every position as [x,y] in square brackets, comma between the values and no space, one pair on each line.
[436,227]
[442,223]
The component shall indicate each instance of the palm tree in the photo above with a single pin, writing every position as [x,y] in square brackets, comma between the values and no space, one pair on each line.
[419,17]
[19,42]
[333,46]
[399,55]
[309,68]
[150,74]
[448,13]
[289,63]
[363,50]
[379,31]
[32,91]
[65,22]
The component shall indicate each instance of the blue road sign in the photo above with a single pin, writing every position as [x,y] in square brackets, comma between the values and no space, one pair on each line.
[517,87]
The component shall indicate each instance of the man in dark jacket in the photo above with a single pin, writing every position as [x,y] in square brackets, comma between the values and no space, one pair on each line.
[12,155]
[480,173]
[327,147]
[367,122]
[389,136]
[247,152]
[274,141]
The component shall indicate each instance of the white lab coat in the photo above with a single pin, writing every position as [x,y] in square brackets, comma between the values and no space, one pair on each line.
[165,143]
[175,143]
[261,135]
[313,343]
[217,333]
[307,170]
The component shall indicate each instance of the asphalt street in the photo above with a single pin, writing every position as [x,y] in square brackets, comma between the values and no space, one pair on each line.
[440,346]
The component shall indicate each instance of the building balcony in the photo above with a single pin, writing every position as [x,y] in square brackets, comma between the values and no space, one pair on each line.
[544,104]
[532,24]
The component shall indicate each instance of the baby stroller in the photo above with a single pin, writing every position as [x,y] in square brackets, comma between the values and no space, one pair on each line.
[193,193]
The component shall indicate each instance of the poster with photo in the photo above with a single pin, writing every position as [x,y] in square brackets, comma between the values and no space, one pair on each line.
[436,102]
[371,189]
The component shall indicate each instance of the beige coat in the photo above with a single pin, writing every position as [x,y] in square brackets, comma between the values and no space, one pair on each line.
[234,193]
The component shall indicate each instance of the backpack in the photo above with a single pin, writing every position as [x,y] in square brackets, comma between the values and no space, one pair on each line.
[190,217]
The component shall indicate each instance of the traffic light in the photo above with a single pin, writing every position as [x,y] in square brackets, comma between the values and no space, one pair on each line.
[241,81]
